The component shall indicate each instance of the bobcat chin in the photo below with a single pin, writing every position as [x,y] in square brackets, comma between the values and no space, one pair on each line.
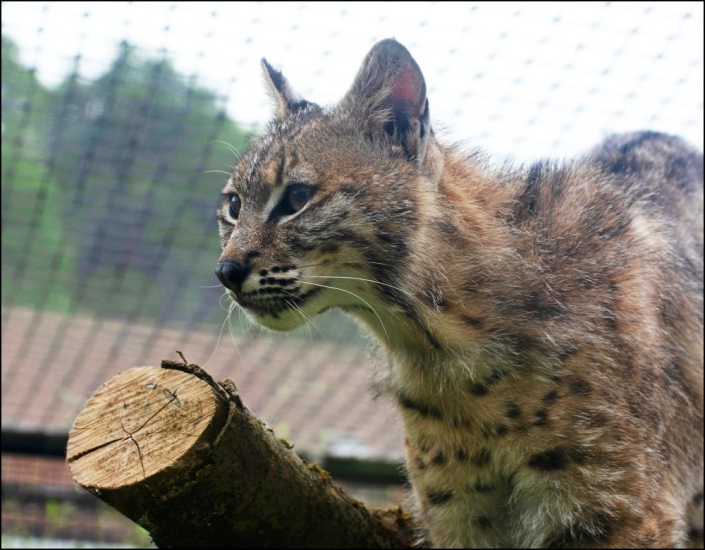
[543,325]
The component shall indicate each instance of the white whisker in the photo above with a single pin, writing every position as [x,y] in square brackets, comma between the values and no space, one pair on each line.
[322,263]
[292,307]
[249,322]
[231,330]
[369,281]
[215,172]
[233,150]
[307,317]
[356,296]
[222,327]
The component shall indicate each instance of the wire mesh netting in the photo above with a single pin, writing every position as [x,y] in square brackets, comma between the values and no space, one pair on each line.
[121,120]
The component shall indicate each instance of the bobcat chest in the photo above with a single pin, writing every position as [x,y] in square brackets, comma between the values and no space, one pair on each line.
[481,461]
[463,483]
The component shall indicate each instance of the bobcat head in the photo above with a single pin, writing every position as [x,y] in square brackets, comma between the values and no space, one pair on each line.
[325,210]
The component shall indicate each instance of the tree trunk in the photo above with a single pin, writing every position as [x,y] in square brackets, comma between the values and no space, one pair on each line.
[180,455]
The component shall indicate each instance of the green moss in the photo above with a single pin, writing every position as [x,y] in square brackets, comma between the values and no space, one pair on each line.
[325,476]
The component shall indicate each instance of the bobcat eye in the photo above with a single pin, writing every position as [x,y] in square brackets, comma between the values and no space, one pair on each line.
[234,206]
[297,196]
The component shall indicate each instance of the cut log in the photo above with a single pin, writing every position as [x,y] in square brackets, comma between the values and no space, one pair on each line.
[181,456]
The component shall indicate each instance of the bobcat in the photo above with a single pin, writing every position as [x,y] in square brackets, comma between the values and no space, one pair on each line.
[543,325]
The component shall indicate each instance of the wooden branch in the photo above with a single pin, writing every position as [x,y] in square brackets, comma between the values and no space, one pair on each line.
[180,455]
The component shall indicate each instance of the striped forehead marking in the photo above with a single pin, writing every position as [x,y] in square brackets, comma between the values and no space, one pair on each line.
[252,168]
[279,181]
[283,132]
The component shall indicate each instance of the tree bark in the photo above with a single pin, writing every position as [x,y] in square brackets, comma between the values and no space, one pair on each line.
[180,455]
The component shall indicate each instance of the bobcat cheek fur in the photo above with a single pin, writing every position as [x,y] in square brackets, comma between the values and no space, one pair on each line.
[543,325]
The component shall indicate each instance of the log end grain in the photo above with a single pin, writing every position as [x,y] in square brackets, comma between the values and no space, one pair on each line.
[138,424]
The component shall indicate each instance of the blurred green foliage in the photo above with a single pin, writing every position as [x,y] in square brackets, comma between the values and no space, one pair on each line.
[107,206]
[28,523]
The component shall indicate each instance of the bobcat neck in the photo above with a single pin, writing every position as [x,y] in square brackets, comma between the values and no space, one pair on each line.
[436,327]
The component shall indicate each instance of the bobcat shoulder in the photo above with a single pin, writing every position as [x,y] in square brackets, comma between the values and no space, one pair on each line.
[543,325]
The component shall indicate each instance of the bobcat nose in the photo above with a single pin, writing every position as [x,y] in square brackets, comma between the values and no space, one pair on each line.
[231,274]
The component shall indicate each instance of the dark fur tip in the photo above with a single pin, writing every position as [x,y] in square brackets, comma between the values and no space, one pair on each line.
[276,76]
[394,54]
[390,45]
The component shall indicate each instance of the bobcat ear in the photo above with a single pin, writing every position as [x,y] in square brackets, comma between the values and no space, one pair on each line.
[389,93]
[284,96]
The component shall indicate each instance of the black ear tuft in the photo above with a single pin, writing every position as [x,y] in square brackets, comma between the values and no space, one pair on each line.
[389,96]
[276,77]
[284,96]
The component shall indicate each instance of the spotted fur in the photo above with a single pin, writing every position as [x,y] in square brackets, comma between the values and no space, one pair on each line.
[543,325]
